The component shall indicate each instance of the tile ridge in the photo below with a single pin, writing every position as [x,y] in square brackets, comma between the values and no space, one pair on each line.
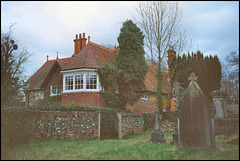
[101,46]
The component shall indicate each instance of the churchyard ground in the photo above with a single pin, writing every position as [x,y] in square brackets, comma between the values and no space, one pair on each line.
[136,147]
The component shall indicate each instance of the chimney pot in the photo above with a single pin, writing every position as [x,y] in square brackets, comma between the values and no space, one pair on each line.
[47,57]
[83,35]
[57,55]
[115,47]
[171,55]
[80,36]
[76,37]
[88,38]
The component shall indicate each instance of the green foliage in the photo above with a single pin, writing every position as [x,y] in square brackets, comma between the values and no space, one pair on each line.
[207,69]
[123,82]
[108,76]
[131,61]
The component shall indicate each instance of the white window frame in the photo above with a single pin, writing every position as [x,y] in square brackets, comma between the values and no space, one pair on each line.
[39,95]
[144,96]
[55,94]
[83,72]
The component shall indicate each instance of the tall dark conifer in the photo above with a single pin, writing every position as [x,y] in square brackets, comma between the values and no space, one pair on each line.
[131,62]
[208,70]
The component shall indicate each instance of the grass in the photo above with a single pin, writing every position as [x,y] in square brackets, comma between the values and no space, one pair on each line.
[137,147]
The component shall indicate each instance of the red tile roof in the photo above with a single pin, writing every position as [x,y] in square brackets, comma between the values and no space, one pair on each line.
[93,56]
[37,79]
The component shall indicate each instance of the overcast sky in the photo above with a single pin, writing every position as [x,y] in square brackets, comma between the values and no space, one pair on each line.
[45,28]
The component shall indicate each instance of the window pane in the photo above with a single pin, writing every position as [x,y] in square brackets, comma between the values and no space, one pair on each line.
[79,82]
[55,90]
[69,82]
[91,81]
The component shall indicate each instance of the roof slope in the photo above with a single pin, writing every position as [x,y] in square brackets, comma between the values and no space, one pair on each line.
[91,56]
[38,78]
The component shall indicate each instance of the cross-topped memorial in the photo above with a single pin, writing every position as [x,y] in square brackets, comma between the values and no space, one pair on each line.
[195,119]
[192,77]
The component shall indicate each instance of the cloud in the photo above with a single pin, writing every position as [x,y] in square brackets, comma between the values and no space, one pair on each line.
[213,26]
[47,27]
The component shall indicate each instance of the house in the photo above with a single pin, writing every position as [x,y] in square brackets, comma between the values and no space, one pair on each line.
[74,79]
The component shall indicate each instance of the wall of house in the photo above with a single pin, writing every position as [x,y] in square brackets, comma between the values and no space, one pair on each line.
[150,105]
[143,106]
[31,97]
[54,79]
[92,99]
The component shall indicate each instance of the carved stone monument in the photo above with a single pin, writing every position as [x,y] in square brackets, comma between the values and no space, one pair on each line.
[223,125]
[196,124]
[220,103]
[177,93]
[157,135]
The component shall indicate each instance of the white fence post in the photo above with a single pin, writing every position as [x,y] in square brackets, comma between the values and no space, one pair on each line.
[119,126]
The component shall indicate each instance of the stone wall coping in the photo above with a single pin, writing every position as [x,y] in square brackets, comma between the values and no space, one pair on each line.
[218,94]
[131,114]
[62,111]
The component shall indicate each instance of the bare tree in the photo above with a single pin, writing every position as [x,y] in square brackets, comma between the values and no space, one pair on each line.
[230,77]
[160,22]
[12,59]
[233,61]
[109,46]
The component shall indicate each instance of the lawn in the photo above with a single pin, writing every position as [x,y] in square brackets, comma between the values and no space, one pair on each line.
[137,147]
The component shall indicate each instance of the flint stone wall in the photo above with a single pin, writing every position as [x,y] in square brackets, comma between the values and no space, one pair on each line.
[71,125]
[131,123]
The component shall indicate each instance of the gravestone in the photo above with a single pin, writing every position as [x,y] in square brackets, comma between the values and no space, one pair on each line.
[220,103]
[177,93]
[157,135]
[223,125]
[196,124]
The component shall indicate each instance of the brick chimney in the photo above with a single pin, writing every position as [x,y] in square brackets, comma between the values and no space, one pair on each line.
[79,43]
[171,55]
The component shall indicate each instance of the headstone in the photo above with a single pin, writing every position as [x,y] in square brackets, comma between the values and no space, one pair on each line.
[196,124]
[177,92]
[220,103]
[223,125]
[157,135]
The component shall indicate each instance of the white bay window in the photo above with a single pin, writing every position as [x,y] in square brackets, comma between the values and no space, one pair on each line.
[81,81]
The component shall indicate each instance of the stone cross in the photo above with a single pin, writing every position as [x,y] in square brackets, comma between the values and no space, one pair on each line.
[192,77]
[178,91]
[157,135]
[157,118]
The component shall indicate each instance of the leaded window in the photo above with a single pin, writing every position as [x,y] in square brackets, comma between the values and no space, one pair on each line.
[69,83]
